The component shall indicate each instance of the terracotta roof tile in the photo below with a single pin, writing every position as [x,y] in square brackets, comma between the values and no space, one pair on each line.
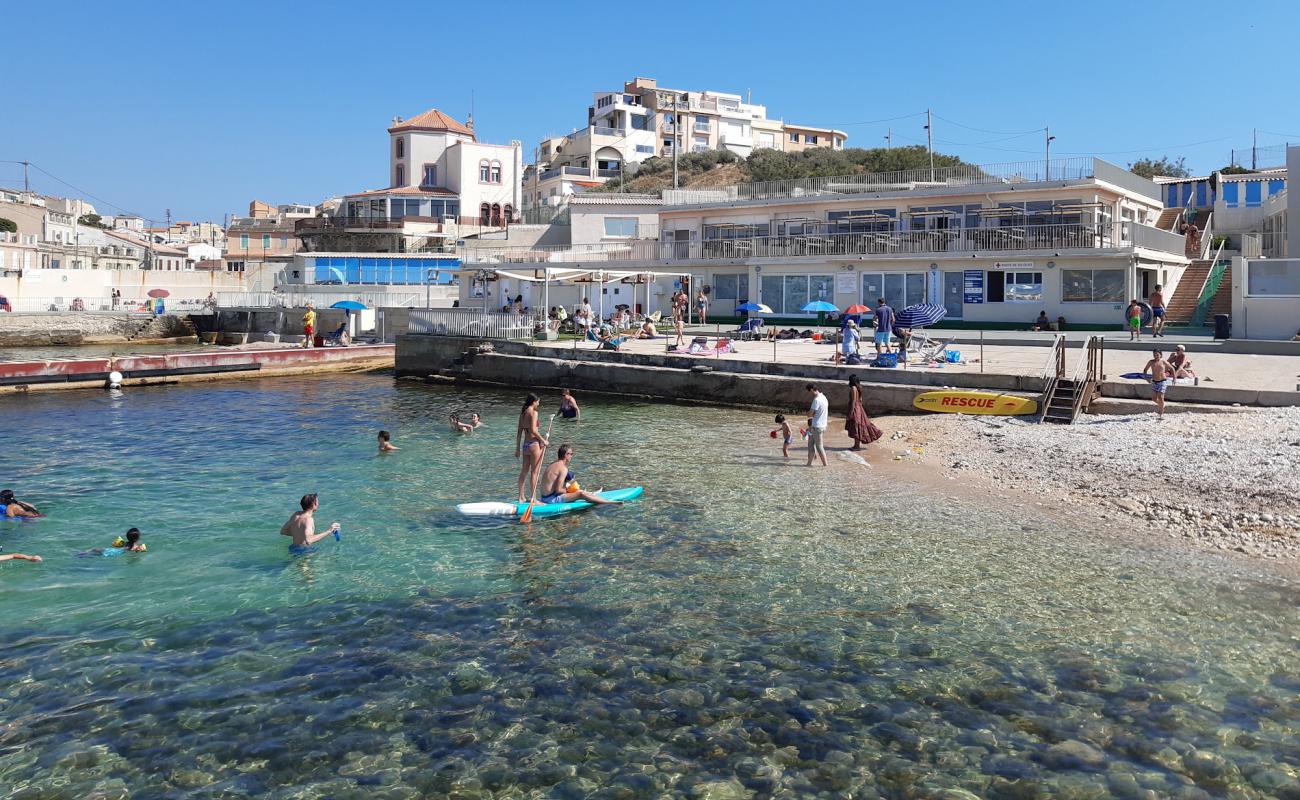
[432,120]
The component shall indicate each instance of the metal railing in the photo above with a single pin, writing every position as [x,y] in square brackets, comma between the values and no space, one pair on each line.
[609,173]
[584,172]
[1213,280]
[1013,173]
[971,240]
[344,222]
[405,299]
[77,305]
[1207,236]
[472,323]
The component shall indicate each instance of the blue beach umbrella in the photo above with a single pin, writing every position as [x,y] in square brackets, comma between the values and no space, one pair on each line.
[822,306]
[757,308]
[920,315]
[350,305]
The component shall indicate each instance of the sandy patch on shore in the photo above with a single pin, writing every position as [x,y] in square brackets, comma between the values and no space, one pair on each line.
[1225,481]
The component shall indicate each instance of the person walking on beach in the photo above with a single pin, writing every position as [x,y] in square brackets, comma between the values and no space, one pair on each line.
[702,306]
[308,325]
[859,426]
[1160,373]
[884,324]
[301,525]
[530,447]
[818,412]
[1157,303]
[1134,316]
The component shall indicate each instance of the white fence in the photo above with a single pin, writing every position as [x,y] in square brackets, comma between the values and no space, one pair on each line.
[409,299]
[63,305]
[470,322]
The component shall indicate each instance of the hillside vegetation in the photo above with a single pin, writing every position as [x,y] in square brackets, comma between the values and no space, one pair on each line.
[724,168]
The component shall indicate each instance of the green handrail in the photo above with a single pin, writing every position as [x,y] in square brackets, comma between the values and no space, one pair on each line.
[1211,288]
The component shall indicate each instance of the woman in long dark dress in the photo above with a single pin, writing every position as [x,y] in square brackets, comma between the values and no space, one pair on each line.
[859,426]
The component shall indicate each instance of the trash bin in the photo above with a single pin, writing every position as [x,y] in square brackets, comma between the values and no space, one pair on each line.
[1222,326]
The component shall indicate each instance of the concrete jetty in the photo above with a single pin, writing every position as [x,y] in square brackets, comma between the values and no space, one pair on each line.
[204,365]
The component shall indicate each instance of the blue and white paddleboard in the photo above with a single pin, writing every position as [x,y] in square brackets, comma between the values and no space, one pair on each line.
[543,509]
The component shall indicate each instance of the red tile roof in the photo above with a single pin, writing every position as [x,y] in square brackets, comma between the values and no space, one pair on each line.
[432,120]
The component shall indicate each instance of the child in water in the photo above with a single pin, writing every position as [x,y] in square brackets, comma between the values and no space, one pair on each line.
[466,427]
[785,432]
[130,544]
[385,443]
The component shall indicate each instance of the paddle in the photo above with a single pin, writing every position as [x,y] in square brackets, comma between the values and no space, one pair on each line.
[527,516]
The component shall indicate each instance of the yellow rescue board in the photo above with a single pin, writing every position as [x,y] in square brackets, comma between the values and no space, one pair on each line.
[955,402]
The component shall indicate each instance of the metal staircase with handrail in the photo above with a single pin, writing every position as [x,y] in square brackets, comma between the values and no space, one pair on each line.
[1064,399]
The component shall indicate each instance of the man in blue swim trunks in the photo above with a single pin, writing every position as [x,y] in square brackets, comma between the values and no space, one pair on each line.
[301,527]
[1160,373]
[884,324]
[553,488]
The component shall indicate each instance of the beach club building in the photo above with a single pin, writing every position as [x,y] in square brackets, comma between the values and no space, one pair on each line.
[996,243]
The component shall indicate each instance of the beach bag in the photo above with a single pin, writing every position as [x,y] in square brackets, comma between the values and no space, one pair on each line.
[953,356]
[886,360]
[853,359]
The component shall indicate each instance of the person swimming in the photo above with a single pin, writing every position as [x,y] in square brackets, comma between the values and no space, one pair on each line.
[568,406]
[11,506]
[385,442]
[129,544]
[460,426]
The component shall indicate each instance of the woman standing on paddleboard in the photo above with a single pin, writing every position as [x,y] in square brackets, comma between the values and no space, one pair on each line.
[859,426]
[530,445]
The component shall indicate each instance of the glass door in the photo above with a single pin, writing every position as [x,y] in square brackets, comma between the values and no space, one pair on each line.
[953,288]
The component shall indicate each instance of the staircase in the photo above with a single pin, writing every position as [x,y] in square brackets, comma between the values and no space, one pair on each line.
[1065,399]
[1060,405]
[1187,297]
[1168,219]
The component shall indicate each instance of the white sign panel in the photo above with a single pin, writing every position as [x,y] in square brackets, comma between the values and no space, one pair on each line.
[845,282]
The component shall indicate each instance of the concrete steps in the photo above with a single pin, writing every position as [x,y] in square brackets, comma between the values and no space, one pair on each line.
[1182,304]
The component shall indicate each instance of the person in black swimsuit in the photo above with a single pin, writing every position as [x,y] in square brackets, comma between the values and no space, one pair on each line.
[568,406]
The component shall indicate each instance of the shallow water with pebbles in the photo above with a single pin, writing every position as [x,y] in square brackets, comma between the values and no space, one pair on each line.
[747,629]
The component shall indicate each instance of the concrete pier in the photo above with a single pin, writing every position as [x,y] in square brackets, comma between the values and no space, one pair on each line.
[212,364]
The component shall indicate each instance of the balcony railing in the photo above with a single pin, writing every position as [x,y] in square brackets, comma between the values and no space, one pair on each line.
[1068,169]
[346,223]
[609,173]
[582,172]
[1015,238]
[602,131]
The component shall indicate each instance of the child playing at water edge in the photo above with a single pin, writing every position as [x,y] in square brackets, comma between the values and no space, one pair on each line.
[385,443]
[786,433]
[466,427]
[1134,315]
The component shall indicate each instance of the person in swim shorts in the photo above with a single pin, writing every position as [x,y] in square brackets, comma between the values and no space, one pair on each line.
[308,325]
[1157,303]
[557,479]
[1134,317]
[301,525]
[884,324]
[1160,373]
[11,506]
[568,406]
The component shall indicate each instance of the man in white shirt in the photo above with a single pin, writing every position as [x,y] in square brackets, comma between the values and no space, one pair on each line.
[818,412]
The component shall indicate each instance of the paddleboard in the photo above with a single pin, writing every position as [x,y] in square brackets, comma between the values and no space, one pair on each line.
[543,509]
[972,402]
[1136,376]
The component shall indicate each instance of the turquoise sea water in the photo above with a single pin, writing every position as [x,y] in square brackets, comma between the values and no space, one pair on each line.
[747,629]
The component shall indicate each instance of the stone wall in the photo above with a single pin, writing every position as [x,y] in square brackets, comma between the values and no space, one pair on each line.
[70,328]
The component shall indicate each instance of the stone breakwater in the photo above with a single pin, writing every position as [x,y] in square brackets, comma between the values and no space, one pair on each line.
[1227,480]
[70,328]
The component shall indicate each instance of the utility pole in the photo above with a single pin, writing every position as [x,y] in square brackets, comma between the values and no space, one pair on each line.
[1047,132]
[1254,140]
[27,186]
[677,132]
[889,138]
[929,142]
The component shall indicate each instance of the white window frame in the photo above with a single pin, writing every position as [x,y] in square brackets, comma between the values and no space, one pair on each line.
[631,235]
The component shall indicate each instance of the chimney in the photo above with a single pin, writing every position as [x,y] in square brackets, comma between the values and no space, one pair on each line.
[469,121]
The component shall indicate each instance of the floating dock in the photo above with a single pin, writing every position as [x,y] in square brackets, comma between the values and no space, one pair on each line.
[209,364]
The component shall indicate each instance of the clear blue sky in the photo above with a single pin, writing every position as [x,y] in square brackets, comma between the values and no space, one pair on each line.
[200,107]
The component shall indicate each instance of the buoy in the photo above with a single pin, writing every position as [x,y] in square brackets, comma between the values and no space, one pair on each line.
[114,380]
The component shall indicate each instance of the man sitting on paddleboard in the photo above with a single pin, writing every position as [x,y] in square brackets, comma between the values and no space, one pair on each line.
[554,489]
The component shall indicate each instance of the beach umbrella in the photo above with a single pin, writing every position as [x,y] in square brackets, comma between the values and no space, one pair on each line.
[920,315]
[857,308]
[350,305]
[159,293]
[757,308]
[821,306]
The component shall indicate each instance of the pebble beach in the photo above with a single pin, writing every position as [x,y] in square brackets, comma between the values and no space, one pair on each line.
[1224,478]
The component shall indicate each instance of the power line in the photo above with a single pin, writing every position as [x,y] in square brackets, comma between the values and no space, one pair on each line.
[887,119]
[1283,135]
[77,189]
[986,130]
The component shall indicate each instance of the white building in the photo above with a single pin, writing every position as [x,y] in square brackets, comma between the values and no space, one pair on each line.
[642,121]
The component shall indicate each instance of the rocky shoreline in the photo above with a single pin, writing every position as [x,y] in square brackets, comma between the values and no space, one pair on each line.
[1228,481]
